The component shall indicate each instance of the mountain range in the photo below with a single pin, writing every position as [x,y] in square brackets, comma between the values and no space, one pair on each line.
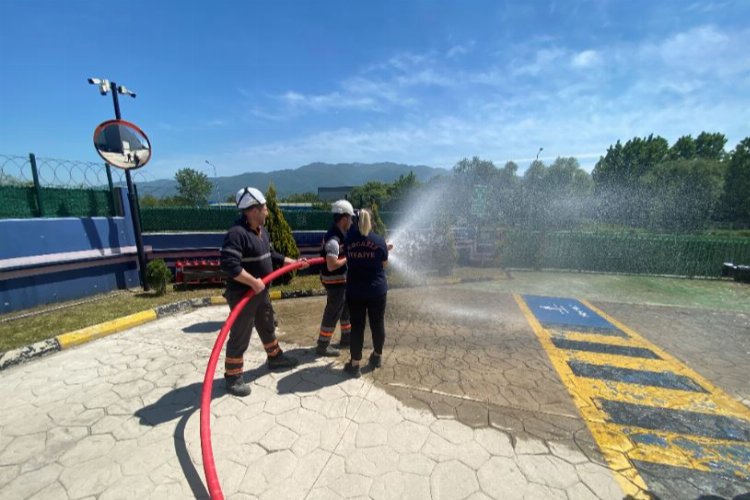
[305,179]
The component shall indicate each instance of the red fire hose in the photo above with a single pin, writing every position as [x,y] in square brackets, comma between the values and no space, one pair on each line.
[209,467]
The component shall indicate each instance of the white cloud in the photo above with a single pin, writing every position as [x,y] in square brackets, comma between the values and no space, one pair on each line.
[586,59]
[544,60]
[334,100]
[459,50]
[703,50]
[508,108]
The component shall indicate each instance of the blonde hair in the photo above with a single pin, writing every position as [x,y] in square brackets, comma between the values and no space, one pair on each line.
[365,223]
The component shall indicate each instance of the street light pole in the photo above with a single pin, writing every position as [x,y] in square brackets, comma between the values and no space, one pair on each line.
[537,154]
[135,214]
[216,185]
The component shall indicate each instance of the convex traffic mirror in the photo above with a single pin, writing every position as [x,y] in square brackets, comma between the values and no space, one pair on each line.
[122,144]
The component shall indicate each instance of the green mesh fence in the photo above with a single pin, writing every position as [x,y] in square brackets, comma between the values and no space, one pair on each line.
[21,202]
[622,253]
[603,252]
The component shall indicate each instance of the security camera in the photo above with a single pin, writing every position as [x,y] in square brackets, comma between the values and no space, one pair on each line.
[122,90]
[94,81]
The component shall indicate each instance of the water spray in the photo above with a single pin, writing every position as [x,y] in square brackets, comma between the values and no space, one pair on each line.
[209,467]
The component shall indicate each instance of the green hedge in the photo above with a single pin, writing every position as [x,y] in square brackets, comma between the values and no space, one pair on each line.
[20,202]
[622,253]
[580,251]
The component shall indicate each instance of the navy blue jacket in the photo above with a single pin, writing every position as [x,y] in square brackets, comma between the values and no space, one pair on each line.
[365,256]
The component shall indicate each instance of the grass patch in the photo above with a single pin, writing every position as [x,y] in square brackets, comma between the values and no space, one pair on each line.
[26,327]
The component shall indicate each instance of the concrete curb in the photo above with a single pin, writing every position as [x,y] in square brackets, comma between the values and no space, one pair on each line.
[84,335]
[63,341]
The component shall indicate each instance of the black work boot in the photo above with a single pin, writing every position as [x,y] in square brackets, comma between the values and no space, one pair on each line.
[375,360]
[281,361]
[352,370]
[325,349]
[237,387]
[346,340]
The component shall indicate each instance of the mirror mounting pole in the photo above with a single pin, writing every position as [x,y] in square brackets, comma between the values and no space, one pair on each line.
[115,100]
[135,213]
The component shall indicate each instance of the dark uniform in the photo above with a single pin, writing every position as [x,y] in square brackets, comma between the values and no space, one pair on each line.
[366,289]
[250,250]
[335,285]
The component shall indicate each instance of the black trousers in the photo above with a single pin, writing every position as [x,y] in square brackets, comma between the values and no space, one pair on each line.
[372,309]
[336,310]
[259,313]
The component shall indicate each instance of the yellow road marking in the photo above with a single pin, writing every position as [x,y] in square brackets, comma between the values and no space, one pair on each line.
[599,358]
[597,338]
[727,404]
[613,444]
[84,335]
[710,450]
[664,447]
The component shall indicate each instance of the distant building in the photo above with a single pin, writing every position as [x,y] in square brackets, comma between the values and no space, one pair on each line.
[334,193]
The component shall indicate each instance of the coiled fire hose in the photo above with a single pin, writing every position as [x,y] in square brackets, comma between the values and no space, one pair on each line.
[209,467]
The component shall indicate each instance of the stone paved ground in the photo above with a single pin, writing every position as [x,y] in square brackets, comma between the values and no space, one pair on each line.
[118,418]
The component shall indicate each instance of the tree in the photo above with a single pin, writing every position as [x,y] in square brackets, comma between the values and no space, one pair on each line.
[476,169]
[474,192]
[684,193]
[400,191]
[149,201]
[625,165]
[279,231]
[377,223]
[301,198]
[369,193]
[682,149]
[710,146]
[193,187]
[736,196]
[618,179]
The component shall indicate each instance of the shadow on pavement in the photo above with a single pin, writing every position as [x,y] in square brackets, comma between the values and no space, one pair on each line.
[310,379]
[204,327]
[181,403]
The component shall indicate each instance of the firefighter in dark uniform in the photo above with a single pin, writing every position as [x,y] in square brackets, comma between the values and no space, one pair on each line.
[333,277]
[366,290]
[247,257]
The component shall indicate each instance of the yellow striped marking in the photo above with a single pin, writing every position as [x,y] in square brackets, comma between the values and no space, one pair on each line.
[601,358]
[728,405]
[711,450]
[616,447]
[87,334]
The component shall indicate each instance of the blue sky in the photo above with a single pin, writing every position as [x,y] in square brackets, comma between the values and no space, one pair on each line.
[259,86]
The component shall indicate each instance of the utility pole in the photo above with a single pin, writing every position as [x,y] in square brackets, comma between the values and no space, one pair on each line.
[104,87]
[216,184]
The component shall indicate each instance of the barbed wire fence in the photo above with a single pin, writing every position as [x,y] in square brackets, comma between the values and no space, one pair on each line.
[32,186]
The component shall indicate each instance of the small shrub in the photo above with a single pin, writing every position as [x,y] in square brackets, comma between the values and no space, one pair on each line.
[158,276]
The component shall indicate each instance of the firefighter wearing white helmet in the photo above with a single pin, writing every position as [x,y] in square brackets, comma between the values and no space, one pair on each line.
[342,207]
[247,257]
[333,277]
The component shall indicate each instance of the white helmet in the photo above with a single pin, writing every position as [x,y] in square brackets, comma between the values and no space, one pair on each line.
[249,196]
[342,207]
